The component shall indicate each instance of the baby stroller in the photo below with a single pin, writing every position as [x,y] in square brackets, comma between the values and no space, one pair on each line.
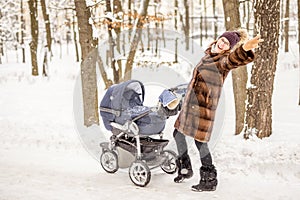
[134,127]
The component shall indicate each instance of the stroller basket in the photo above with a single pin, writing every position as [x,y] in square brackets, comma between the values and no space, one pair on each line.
[150,147]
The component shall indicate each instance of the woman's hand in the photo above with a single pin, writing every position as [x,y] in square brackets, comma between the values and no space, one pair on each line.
[252,43]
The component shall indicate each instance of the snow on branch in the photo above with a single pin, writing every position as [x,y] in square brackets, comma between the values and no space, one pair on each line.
[90,3]
[110,16]
[9,2]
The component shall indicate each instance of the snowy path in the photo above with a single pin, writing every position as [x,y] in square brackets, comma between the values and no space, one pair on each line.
[32,173]
[41,156]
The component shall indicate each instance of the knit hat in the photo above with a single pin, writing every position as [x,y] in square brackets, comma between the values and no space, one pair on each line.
[232,36]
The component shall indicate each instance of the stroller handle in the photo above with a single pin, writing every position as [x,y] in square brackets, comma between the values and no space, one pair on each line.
[180,89]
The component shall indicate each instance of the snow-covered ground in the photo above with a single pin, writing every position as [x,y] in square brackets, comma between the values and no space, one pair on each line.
[41,155]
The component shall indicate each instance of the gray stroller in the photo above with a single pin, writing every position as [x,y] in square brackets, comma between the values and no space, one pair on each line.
[137,138]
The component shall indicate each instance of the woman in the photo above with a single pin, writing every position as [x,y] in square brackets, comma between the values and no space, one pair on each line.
[229,51]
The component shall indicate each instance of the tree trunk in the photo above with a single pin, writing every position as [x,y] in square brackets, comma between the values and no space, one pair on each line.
[201,24]
[136,39]
[117,9]
[88,64]
[239,75]
[75,36]
[248,15]
[108,82]
[205,19]
[1,41]
[176,28]
[1,49]
[34,36]
[231,14]
[201,28]
[244,13]
[156,28]
[149,38]
[259,108]
[286,26]
[111,43]
[130,15]
[45,62]
[187,24]
[47,24]
[215,20]
[282,23]
[299,45]
[116,27]
[22,32]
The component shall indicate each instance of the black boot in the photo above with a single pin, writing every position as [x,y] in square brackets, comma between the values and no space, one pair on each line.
[184,168]
[208,179]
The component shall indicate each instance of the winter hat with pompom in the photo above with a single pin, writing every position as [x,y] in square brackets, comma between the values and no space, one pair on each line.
[232,36]
[236,38]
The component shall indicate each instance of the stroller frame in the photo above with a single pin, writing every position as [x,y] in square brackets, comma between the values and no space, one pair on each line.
[140,168]
[145,152]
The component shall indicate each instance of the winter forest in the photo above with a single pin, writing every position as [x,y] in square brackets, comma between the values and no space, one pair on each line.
[58,58]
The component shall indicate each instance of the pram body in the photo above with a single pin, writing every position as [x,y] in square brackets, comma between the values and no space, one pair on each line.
[133,126]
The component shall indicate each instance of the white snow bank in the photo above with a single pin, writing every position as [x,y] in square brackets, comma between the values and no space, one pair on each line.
[41,156]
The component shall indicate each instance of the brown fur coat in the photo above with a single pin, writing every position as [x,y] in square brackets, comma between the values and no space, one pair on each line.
[197,116]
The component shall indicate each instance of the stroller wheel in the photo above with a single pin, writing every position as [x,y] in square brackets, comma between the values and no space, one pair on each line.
[169,165]
[139,173]
[109,161]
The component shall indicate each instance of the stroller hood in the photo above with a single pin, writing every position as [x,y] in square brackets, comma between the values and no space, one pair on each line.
[119,97]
